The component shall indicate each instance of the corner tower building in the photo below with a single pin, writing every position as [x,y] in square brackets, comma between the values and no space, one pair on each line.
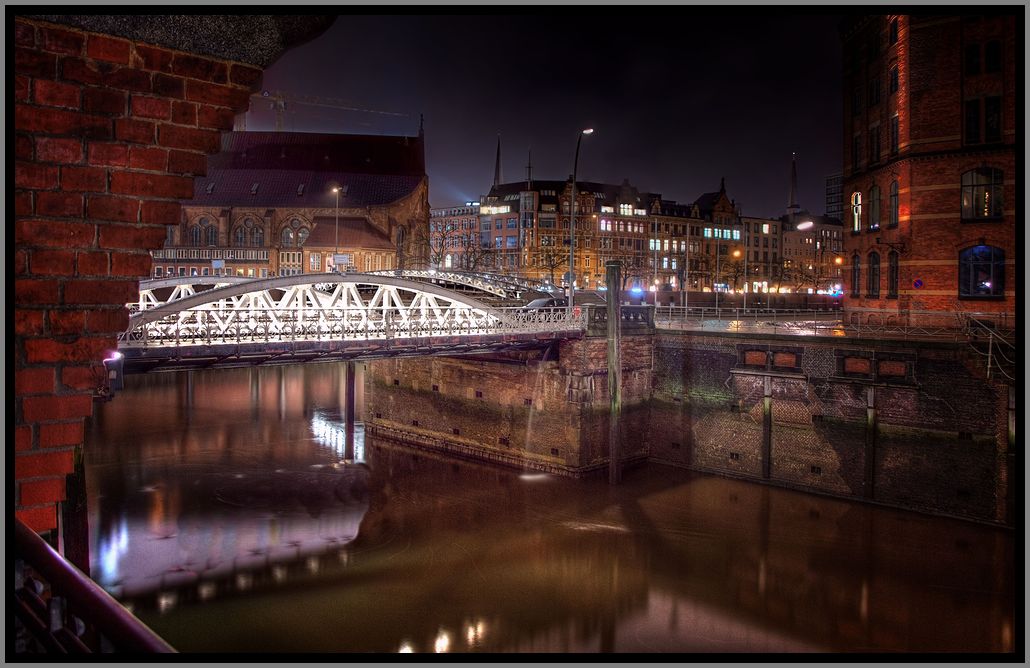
[929,174]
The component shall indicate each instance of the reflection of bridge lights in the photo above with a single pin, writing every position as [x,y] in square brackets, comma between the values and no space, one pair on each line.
[334,435]
[206,590]
[406,648]
[244,581]
[111,550]
[474,632]
[279,573]
[442,643]
[312,564]
[344,557]
[166,600]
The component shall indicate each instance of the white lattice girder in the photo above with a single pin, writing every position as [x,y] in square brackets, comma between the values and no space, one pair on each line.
[325,307]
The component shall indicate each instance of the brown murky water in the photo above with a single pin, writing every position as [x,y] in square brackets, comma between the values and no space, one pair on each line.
[226,511]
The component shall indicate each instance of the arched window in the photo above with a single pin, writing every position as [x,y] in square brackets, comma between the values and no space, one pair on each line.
[302,236]
[211,233]
[874,208]
[447,261]
[873,279]
[981,194]
[287,237]
[893,220]
[892,275]
[856,275]
[257,237]
[856,212]
[195,235]
[981,272]
[239,236]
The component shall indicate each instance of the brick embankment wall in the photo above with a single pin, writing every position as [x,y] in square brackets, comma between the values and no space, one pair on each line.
[541,415]
[936,431]
[108,135]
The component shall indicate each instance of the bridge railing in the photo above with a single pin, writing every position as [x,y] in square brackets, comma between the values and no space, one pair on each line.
[65,611]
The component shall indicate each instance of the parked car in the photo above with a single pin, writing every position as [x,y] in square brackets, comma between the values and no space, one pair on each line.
[547,302]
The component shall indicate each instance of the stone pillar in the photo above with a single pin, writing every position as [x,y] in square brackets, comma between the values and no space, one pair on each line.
[349,409]
[767,429]
[869,478]
[614,369]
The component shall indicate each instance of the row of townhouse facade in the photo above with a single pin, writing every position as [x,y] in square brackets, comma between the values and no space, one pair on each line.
[523,228]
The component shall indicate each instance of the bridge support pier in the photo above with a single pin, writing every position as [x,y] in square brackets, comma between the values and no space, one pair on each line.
[614,370]
[767,429]
[349,374]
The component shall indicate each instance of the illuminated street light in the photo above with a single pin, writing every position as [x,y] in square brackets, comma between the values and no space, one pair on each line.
[572,220]
[336,251]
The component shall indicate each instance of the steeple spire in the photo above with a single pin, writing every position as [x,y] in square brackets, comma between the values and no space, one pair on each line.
[792,205]
[529,171]
[722,184]
[497,163]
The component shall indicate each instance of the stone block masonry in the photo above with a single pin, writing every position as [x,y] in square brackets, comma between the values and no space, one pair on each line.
[108,135]
[907,424]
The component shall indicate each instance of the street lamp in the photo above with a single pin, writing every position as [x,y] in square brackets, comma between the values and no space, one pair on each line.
[736,253]
[572,220]
[336,250]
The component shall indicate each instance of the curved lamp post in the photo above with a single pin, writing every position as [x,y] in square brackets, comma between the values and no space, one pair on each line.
[572,219]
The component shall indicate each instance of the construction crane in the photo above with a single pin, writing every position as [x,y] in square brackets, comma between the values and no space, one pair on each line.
[278,100]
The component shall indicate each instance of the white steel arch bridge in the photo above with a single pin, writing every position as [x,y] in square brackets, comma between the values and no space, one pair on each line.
[232,321]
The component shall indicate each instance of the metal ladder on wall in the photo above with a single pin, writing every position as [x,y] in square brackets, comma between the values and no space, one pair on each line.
[997,350]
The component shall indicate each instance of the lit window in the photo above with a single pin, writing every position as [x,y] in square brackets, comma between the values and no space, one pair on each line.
[856,212]
[981,272]
[982,193]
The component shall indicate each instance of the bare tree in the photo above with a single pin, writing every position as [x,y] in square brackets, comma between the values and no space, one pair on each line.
[551,258]
[433,241]
[473,256]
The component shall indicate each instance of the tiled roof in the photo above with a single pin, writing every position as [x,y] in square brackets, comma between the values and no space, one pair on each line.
[353,233]
[361,154]
[289,169]
[297,188]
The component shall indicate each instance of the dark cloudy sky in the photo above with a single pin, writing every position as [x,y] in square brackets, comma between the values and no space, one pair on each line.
[678,97]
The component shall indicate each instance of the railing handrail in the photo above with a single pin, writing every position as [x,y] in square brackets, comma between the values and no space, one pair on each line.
[125,631]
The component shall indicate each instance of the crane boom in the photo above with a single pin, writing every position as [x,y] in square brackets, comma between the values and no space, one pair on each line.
[279,100]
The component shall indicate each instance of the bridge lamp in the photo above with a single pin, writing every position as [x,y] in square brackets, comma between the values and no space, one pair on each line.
[336,251]
[572,219]
[113,365]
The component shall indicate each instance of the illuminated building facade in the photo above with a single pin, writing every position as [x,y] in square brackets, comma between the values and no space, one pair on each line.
[930,181]
[266,207]
[524,229]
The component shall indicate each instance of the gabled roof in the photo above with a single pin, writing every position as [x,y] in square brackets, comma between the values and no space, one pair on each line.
[299,169]
[294,188]
[362,154]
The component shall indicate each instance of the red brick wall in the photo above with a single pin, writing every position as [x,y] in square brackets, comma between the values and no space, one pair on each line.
[929,165]
[109,134]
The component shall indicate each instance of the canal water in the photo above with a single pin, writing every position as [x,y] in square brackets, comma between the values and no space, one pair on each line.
[229,510]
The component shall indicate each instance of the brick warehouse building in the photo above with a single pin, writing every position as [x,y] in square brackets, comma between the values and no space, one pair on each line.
[266,206]
[930,182]
[114,116]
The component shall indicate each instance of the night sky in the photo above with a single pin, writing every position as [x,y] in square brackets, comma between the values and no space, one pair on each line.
[677,100]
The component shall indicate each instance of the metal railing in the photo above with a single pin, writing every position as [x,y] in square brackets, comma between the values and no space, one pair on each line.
[998,348]
[65,611]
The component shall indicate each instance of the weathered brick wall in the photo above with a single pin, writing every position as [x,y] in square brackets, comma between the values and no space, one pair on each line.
[109,134]
[937,431]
